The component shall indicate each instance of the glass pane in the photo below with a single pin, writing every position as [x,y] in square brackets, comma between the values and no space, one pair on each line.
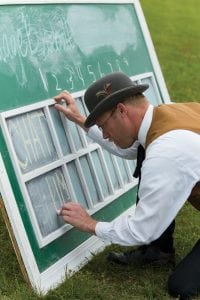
[150,93]
[73,129]
[111,169]
[76,183]
[80,105]
[48,193]
[64,144]
[100,173]
[32,140]
[123,172]
[132,165]
[83,112]
[89,178]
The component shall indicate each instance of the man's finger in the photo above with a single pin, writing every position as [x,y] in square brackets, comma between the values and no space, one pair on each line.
[65,95]
[60,108]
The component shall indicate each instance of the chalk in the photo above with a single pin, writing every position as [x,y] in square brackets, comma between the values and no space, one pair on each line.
[58,211]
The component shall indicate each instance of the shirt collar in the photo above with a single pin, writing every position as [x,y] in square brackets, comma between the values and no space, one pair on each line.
[145,125]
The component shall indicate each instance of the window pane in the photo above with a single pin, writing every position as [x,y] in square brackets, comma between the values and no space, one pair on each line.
[132,165]
[111,169]
[123,172]
[89,178]
[80,105]
[64,144]
[100,173]
[48,193]
[73,129]
[83,112]
[76,183]
[150,93]
[32,140]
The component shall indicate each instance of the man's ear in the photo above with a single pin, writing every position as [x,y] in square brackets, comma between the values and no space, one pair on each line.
[122,109]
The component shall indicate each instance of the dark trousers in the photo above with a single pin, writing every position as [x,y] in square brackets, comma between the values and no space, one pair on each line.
[185,279]
[165,241]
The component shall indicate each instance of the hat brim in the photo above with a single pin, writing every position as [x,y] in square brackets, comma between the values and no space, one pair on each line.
[111,100]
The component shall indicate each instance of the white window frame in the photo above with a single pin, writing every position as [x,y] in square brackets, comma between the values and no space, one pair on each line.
[55,274]
[62,160]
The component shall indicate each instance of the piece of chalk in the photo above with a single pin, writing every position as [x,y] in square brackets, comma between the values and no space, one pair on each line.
[58,211]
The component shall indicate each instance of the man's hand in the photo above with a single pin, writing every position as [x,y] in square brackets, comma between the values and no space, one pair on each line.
[70,110]
[74,214]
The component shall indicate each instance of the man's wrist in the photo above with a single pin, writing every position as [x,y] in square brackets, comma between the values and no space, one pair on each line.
[81,121]
[91,226]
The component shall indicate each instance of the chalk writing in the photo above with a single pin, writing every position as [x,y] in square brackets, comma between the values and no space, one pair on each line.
[56,185]
[47,194]
[72,74]
[32,39]
[56,47]
[32,140]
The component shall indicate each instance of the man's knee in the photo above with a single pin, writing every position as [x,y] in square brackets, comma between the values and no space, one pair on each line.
[176,287]
[185,279]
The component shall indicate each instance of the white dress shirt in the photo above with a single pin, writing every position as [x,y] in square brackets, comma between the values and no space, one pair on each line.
[96,134]
[170,171]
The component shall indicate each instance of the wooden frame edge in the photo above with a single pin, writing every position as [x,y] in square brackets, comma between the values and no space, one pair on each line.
[14,242]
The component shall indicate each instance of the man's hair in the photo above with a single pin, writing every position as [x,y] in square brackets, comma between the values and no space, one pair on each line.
[136,99]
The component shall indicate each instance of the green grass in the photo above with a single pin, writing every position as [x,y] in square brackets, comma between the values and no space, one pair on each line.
[99,280]
[174,27]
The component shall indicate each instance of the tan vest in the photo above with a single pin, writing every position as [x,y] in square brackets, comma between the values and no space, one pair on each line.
[167,117]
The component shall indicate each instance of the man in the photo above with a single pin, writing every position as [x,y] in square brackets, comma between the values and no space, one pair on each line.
[170,172]
[160,251]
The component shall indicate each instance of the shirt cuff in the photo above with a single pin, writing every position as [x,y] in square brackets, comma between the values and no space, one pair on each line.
[102,229]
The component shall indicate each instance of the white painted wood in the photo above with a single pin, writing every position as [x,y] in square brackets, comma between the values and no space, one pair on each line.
[5,2]
[65,267]
[53,276]
[62,161]
[17,225]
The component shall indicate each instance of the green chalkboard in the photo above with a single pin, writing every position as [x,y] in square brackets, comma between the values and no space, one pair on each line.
[44,49]
[48,48]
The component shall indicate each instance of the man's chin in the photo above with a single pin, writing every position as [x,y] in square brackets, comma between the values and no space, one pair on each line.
[122,146]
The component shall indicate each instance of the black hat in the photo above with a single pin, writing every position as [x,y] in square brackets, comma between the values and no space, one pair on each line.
[106,92]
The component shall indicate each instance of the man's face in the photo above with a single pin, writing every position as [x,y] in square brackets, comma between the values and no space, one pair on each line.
[115,126]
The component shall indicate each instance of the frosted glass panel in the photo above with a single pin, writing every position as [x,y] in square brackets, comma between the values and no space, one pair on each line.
[82,109]
[47,194]
[132,165]
[111,169]
[150,93]
[89,178]
[76,183]
[80,105]
[100,173]
[73,129]
[31,140]
[123,172]
[60,131]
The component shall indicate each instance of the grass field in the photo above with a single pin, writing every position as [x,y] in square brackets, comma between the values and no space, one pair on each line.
[174,27]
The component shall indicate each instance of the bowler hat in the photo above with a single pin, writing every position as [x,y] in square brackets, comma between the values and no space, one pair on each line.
[106,92]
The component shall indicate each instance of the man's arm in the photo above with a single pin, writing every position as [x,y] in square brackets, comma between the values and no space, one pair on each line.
[72,113]
[70,110]
[74,214]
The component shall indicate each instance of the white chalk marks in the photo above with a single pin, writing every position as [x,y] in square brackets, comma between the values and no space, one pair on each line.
[62,42]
